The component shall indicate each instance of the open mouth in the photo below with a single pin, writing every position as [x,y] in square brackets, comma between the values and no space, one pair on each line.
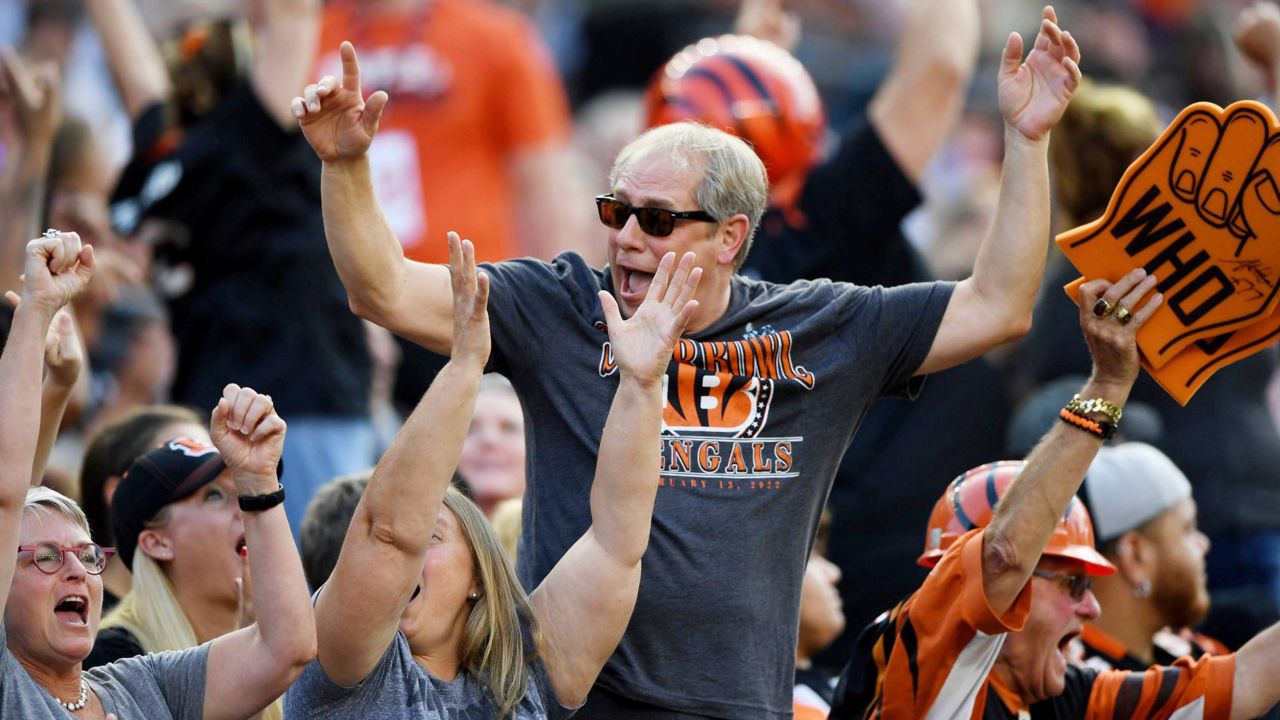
[73,609]
[242,549]
[1065,642]
[635,282]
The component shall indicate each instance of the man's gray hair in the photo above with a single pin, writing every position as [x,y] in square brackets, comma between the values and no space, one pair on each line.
[733,177]
[45,502]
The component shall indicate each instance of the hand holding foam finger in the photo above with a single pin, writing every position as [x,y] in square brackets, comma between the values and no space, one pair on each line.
[1201,211]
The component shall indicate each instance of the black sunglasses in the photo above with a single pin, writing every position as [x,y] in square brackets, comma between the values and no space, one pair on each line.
[1077,585]
[658,222]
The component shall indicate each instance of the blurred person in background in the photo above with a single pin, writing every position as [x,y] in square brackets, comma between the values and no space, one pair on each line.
[477,140]
[492,462]
[325,525]
[1144,521]
[110,453]
[821,621]
[226,187]
[133,360]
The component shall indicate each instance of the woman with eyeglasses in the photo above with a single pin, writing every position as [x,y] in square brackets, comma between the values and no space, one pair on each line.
[54,589]
[423,616]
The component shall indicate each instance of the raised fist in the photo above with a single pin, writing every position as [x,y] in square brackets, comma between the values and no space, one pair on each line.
[1201,211]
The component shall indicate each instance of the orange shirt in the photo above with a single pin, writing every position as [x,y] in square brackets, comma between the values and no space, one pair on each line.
[471,86]
[932,655]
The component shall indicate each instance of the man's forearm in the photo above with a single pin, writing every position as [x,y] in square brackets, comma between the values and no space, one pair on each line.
[365,251]
[1255,690]
[1010,263]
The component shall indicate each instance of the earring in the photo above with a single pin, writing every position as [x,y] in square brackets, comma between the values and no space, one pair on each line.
[1142,589]
[474,595]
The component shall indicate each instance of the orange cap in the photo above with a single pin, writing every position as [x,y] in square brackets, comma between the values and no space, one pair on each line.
[970,502]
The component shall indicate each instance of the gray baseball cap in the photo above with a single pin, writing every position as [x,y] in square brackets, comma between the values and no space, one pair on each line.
[1128,485]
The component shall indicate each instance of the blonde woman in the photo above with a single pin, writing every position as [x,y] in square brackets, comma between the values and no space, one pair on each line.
[53,589]
[423,616]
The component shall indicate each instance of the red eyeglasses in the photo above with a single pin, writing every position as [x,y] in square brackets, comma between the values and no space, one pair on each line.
[658,222]
[50,557]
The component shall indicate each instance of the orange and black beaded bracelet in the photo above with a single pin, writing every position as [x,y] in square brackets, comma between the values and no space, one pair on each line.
[1101,428]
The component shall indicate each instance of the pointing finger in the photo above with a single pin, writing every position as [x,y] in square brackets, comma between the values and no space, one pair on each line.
[350,67]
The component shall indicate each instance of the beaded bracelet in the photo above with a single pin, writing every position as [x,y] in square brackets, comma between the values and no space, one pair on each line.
[1100,428]
[1095,405]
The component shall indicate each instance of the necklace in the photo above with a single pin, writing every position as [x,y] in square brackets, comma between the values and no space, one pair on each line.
[79,703]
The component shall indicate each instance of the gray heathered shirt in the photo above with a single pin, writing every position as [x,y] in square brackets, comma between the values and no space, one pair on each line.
[400,688]
[155,687]
[760,408]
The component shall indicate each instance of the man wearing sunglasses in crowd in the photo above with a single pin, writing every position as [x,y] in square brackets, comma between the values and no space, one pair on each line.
[1012,554]
[765,390]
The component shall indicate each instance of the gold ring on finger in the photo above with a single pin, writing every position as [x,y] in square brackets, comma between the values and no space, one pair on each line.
[1123,314]
[1102,308]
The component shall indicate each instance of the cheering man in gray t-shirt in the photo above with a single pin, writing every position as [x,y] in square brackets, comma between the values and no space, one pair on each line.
[764,391]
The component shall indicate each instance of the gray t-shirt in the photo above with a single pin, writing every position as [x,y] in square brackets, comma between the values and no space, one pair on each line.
[401,688]
[760,408]
[156,687]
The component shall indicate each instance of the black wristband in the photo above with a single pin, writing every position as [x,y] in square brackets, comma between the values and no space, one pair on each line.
[258,503]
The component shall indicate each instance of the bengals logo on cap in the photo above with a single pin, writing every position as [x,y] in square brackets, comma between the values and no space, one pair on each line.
[191,447]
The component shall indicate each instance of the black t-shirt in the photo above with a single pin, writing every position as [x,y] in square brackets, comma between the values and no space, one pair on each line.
[112,644]
[905,452]
[253,295]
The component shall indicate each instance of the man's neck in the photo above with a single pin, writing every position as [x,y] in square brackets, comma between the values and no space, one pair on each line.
[711,310]
[1132,622]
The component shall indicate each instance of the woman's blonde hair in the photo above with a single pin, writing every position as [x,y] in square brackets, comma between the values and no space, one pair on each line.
[152,614]
[1102,131]
[495,647]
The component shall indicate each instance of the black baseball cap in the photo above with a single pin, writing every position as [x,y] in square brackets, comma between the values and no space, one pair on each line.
[162,476]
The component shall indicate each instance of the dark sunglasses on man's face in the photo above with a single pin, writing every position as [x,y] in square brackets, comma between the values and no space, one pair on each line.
[1077,585]
[658,222]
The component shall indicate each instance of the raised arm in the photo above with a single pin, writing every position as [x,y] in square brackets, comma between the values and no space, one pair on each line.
[132,55]
[993,306]
[251,667]
[1032,506]
[1255,690]
[32,95]
[57,268]
[918,104]
[285,34]
[1257,35]
[65,374]
[584,604]
[382,557]
[410,299]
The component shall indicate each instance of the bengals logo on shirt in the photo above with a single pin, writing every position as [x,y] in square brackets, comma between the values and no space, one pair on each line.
[718,395]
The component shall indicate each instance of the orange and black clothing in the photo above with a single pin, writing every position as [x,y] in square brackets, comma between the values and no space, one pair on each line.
[1103,652]
[932,657]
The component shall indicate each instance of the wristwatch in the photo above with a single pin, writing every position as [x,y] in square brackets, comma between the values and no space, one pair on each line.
[258,503]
